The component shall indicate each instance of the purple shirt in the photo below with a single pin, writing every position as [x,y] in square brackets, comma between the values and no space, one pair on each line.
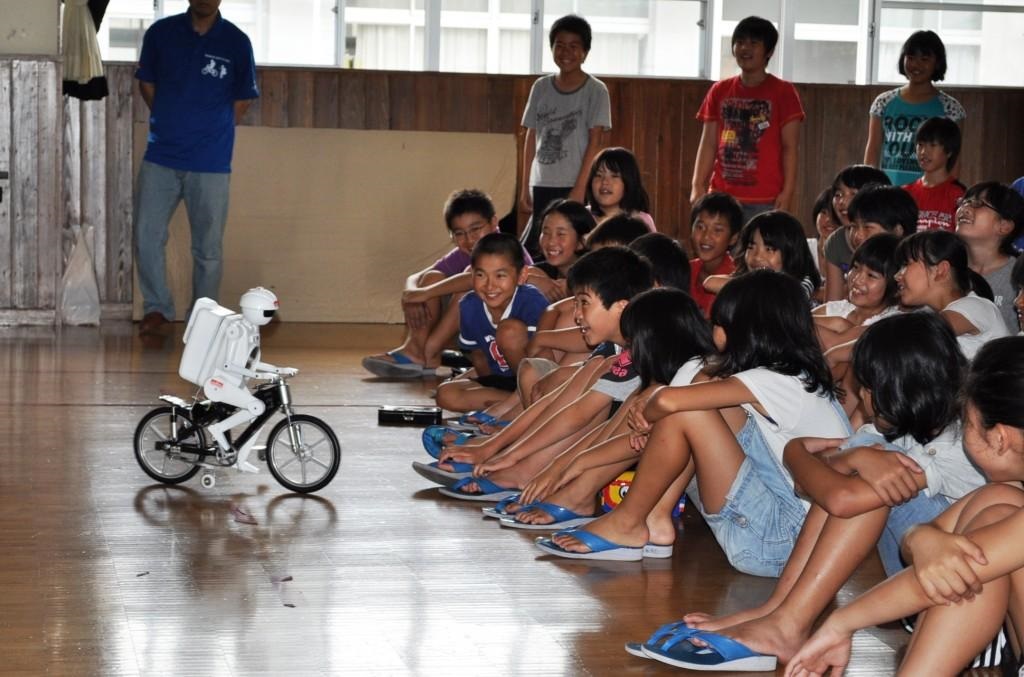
[456,261]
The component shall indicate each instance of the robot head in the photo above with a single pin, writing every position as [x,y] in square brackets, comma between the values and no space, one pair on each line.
[258,305]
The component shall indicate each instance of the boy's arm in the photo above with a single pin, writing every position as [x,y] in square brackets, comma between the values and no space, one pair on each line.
[568,340]
[455,284]
[705,160]
[714,283]
[873,149]
[594,143]
[790,145]
[529,151]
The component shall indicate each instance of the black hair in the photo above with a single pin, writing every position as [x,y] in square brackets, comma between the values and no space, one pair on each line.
[995,382]
[944,132]
[664,329]
[1008,204]
[468,201]
[824,203]
[620,229]
[499,244]
[719,204]
[783,232]
[888,206]
[622,162]
[767,323]
[669,264]
[612,273]
[571,23]
[756,28]
[931,247]
[879,254]
[912,364]
[578,216]
[858,176]
[925,43]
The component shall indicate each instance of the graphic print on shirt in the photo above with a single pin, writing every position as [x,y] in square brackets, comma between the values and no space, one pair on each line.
[215,69]
[744,121]
[492,347]
[556,131]
[900,131]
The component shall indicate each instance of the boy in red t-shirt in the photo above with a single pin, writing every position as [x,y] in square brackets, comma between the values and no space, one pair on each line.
[937,144]
[715,223]
[748,147]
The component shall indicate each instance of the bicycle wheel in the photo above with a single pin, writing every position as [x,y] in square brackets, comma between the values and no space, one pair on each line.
[169,466]
[303,453]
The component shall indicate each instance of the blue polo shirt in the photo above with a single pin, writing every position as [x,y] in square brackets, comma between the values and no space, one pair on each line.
[198,78]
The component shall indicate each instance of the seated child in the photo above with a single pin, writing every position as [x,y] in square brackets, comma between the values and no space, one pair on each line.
[564,226]
[603,282]
[495,323]
[933,273]
[910,369]
[667,257]
[715,222]
[965,578]
[989,218]
[469,215]
[937,191]
[877,209]
[616,187]
[770,384]
[823,215]
[838,250]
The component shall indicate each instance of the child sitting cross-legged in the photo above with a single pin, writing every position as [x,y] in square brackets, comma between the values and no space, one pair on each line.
[967,567]
[910,369]
[495,323]
[770,383]
[603,282]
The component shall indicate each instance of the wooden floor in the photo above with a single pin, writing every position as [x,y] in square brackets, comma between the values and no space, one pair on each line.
[105,573]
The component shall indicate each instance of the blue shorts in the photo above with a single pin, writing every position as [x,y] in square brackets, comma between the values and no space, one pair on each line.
[762,515]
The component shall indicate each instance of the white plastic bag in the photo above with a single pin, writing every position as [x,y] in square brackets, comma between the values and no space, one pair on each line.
[79,293]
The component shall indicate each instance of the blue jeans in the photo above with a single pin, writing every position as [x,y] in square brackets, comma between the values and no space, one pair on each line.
[158,193]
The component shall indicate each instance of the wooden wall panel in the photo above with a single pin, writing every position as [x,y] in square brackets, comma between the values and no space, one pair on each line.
[119,187]
[5,185]
[93,125]
[24,260]
[48,170]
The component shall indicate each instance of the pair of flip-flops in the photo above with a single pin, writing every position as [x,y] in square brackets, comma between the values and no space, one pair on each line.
[446,478]
[671,644]
[434,438]
[602,549]
[488,490]
[399,366]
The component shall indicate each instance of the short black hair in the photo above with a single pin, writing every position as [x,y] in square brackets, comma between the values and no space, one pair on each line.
[932,247]
[1008,204]
[756,28]
[782,231]
[619,229]
[571,23]
[858,176]
[613,273]
[500,244]
[468,201]
[912,364]
[995,382]
[665,329]
[888,206]
[879,254]
[944,132]
[824,203]
[669,264]
[578,216]
[925,43]
[622,162]
[719,204]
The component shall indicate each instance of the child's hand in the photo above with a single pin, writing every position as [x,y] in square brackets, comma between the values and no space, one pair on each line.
[892,475]
[827,648]
[499,462]
[942,564]
[546,482]
[638,441]
[636,420]
[414,296]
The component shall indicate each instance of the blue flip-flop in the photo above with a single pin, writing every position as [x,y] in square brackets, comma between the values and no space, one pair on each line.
[491,491]
[721,653]
[500,511]
[669,629]
[445,478]
[433,439]
[600,548]
[563,518]
[399,366]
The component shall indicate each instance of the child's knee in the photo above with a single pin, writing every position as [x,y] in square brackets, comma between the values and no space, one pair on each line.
[449,396]
[511,332]
[430,277]
[990,504]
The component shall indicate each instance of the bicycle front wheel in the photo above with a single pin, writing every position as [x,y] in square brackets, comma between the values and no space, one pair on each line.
[303,454]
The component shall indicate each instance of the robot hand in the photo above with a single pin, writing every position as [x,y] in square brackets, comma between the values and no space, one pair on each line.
[287,371]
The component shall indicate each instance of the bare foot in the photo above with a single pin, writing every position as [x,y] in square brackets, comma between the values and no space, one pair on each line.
[769,635]
[611,528]
[708,622]
[538,516]
[661,529]
[475,488]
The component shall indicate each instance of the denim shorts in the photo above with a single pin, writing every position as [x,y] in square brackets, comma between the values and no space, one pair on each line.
[762,516]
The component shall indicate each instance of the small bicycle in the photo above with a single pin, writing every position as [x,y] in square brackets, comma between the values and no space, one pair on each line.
[171,442]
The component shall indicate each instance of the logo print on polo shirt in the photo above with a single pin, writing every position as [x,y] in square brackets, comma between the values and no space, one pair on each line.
[213,70]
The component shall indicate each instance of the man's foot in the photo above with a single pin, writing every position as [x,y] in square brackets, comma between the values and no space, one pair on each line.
[152,322]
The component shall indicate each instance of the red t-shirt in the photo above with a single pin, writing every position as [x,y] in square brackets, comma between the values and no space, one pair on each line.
[748,158]
[936,206]
[703,297]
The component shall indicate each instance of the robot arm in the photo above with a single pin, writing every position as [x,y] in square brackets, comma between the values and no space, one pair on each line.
[269,368]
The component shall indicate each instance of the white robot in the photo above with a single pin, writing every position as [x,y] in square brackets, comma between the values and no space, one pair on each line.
[222,351]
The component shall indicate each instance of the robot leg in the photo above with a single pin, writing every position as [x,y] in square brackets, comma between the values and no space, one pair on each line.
[249,408]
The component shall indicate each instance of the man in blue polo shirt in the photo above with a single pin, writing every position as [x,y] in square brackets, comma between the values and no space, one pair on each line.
[197,74]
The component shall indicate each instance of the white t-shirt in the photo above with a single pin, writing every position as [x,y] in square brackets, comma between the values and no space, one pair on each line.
[946,467]
[686,373]
[985,317]
[843,308]
[794,412]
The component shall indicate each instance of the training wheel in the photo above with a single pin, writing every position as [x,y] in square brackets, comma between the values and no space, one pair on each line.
[208,481]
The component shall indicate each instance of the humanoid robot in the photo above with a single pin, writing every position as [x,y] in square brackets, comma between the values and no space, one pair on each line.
[222,352]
